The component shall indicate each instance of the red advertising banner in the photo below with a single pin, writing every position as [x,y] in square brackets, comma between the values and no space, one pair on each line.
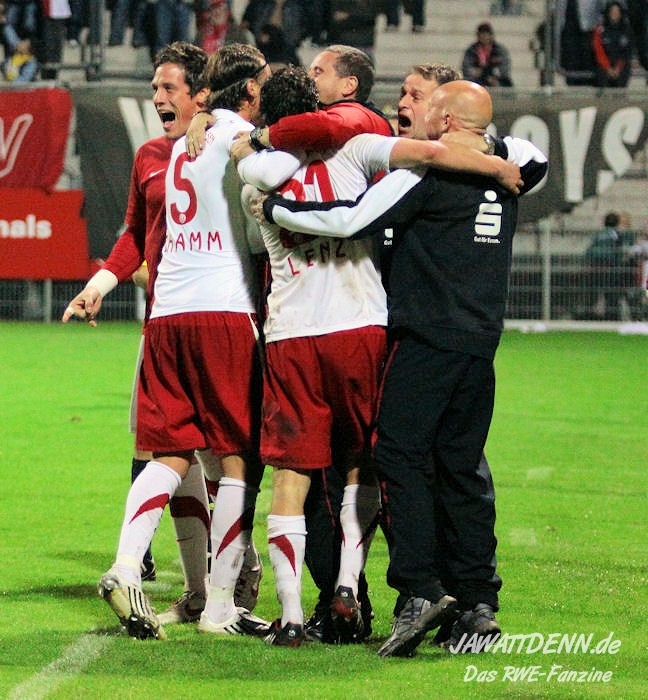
[34,130]
[42,236]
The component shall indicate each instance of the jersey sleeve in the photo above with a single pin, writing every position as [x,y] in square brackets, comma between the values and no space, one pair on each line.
[371,153]
[128,252]
[532,161]
[267,170]
[344,218]
[320,131]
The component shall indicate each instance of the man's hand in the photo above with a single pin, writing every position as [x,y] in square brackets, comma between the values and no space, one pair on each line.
[195,141]
[255,206]
[241,147]
[85,305]
[141,276]
[509,175]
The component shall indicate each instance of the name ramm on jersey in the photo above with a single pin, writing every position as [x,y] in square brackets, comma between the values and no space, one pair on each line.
[193,241]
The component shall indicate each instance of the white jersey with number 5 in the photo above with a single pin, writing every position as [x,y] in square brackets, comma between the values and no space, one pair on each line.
[206,262]
[319,284]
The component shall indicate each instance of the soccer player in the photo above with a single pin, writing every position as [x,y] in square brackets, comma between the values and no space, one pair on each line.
[344,78]
[452,251]
[179,90]
[190,396]
[325,348]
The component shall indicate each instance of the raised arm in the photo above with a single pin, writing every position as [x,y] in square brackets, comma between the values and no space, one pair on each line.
[452,156]
[342,218]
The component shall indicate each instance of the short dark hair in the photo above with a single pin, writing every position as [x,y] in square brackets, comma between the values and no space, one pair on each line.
[228,70]
[192,58]
[485,27]
[611,219]
[354,62]
[288,91]
[441,72]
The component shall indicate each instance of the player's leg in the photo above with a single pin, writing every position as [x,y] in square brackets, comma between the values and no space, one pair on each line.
[120,587]
[231,532]
[189,509]
[286,546]
[418,385]
[466,499]
[353,362]
[323,545]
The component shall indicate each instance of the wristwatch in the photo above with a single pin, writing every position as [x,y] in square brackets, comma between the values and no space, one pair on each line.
[490,143]
[255,139]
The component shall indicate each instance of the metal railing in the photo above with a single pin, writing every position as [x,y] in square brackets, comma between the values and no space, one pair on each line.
[551,280]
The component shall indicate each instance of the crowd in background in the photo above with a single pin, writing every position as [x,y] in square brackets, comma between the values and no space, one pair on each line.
[599,42]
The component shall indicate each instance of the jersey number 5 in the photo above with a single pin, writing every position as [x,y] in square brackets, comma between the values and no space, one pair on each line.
[181,184]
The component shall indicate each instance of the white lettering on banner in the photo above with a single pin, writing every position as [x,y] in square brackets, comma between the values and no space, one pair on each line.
[195,240]
[622,127]
[576,132]
[30,227]
[140,127]
[10,146]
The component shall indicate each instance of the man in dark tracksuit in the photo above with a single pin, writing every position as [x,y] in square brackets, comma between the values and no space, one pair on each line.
[449,282]
[452,254]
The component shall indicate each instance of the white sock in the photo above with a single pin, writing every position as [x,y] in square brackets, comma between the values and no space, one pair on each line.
[148,496]
[189,508]
[231,531]
[286,546]
[360,505]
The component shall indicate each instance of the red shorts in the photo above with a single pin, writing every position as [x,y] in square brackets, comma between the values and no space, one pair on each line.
[200,384]
[320,397]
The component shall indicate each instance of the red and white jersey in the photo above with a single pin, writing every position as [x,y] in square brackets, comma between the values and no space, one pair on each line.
[206,260]
[321,285]
[145,228]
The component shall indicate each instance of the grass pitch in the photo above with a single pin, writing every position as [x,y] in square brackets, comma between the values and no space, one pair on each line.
[568,449]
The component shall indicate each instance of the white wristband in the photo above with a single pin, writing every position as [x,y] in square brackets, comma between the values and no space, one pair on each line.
[103,280]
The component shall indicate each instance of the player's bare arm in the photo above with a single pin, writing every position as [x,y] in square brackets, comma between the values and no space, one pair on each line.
[141,276]
[455,156]
[241,147]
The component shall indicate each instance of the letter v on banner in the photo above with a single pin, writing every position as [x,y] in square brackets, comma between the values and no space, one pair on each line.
[34,129]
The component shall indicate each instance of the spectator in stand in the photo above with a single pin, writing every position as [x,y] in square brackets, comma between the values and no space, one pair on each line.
[19,63]
[172,21]
[216,26]
[24,16]
[612,42]
[79,13]
[56,14]
[415,8]
[638,16]
[486,61]
[353,23]
[289,15]
[21,66]
[140,14]
[577,19]
[278,52]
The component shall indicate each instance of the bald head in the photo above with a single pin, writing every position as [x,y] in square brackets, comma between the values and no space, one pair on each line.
[459,105]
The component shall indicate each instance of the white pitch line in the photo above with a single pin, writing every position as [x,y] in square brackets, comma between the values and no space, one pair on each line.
[72,661]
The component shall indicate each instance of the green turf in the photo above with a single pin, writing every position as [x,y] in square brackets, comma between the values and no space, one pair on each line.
[568,450]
